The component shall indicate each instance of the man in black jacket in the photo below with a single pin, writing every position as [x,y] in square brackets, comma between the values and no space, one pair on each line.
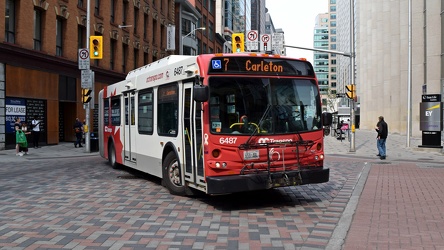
[382,129]
[78,130]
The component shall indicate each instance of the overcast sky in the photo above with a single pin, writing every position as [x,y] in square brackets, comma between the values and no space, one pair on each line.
[297,19]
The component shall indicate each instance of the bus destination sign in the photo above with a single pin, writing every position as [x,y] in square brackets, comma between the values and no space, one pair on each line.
[260,65]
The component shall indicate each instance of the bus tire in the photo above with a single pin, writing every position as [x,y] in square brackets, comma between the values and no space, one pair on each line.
[172,176]
[112,157]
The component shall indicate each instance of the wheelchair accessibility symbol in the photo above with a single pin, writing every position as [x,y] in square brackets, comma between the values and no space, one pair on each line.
[216,64]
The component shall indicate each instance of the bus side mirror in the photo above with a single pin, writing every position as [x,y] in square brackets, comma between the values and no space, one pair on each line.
[327,119]
[201,93]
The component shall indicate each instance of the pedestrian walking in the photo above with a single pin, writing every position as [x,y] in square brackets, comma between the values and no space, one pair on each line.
[35,124]
[21,146]
[382,130]
[78,130]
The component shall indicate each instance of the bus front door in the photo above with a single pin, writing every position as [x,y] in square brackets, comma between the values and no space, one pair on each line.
[130,129]
[192,125]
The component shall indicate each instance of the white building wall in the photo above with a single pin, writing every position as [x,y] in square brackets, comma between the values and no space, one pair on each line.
[382,59]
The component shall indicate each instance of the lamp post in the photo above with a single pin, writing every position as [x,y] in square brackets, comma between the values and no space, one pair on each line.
[191,32]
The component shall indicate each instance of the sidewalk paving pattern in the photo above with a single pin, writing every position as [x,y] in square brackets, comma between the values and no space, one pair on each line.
[402,202]
[397,203]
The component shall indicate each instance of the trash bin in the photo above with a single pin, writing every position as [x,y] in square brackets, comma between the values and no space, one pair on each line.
[94,142]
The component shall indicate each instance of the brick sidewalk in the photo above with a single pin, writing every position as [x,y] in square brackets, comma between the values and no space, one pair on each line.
[401,207]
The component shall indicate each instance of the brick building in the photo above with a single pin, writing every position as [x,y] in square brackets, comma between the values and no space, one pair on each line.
[39,71]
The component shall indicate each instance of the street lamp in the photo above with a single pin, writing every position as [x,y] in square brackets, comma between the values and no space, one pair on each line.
[191,32]
[124,26]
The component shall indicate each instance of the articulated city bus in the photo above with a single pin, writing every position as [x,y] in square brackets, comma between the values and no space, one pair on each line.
[218,123]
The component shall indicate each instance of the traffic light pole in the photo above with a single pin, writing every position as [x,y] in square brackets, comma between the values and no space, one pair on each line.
[87,108]
[352,75]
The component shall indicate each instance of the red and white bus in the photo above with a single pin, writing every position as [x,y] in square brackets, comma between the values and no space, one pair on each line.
[218,123]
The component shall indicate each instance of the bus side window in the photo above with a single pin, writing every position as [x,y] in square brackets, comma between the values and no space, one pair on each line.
[167,115]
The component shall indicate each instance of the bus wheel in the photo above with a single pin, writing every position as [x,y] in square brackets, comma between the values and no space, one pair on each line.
[172,177]
[112,157]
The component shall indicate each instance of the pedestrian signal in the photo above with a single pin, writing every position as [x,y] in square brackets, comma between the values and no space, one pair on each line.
[96,47]
[86,95]
[351,91]
[237,42]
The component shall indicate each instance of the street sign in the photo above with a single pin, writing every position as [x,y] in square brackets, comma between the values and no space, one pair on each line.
[265,42]
[171,32]
[278,42]
[84,62]
[252,40]
[340,95]
[86,79]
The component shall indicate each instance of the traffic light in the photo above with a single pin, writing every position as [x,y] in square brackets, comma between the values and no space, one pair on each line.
[237,42]
[351,91]
[96,47]
[86,95]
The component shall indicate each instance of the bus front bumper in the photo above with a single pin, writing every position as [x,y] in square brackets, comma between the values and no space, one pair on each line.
[263,180]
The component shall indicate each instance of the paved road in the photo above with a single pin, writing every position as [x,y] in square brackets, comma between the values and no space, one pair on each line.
[61,197]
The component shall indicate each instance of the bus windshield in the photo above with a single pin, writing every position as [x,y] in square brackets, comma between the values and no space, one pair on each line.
[247,105]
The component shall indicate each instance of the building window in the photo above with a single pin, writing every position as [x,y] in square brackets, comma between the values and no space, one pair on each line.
[80,3]
[189,51]
[124,57]
[113,11]
[211,31]
[112,54]
[136,20]
[162,36]
[187,27]
[37,29]
[59,37]
[125,13]
[10,21]
[211,6]
[204,24]
[67,88]
[97,8]
[145,58]
[199,47]
[154,31]
[145,26]
[81,37]
[136,58]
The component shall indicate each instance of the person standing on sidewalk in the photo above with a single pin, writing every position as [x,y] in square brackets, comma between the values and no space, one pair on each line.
[382,129]
[35,124]
[78,130]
